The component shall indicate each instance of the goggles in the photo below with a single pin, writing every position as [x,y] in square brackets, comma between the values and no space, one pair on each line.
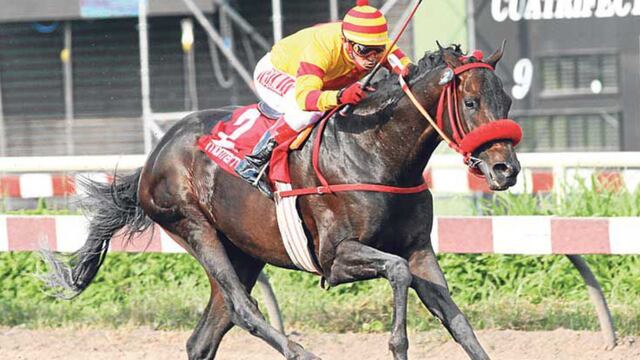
[367,51]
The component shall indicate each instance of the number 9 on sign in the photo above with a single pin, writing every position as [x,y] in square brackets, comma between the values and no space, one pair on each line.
[522,76]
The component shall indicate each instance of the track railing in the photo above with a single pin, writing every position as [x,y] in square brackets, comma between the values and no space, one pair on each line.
[559,161]
[527,235]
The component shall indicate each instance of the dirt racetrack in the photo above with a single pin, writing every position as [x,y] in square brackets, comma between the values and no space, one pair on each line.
[142,343]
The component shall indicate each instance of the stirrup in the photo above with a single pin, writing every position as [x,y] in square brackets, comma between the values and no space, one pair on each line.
[261,184]
[263,169]
[254,176]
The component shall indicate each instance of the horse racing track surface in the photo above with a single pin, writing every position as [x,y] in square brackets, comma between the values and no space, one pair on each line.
[142,343]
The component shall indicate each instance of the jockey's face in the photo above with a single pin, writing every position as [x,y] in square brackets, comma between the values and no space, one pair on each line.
[365,57]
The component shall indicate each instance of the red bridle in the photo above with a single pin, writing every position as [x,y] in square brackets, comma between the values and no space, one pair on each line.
[462,141]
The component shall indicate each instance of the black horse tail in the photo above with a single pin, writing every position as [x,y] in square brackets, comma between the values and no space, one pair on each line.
[109,208]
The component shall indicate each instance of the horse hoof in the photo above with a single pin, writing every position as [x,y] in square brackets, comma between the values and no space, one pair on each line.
[299,353]
[304,356]
[309,356]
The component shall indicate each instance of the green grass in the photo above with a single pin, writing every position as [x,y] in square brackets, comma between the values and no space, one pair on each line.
[584,198]
[160,290]
[451,205]
[169,291]
[42,208]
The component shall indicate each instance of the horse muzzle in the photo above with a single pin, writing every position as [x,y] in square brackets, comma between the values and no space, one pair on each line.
[498,165]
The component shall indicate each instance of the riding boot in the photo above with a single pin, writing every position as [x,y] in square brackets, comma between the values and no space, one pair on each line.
[254,166]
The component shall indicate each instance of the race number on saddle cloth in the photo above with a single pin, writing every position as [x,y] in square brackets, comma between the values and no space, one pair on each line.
[229,141]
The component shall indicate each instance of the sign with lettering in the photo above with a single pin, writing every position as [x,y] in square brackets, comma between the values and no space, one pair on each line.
[570,66]
[108,8]
[517,10]
[563,53]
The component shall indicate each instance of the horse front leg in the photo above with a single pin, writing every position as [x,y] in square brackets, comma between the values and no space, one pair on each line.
[431,286]
[355,261]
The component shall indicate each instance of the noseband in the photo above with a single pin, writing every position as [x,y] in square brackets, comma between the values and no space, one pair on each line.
[464,142]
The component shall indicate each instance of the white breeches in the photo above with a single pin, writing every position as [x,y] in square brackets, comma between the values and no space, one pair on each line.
[277,89]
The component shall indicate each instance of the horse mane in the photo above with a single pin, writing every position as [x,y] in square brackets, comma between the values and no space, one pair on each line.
[387,87]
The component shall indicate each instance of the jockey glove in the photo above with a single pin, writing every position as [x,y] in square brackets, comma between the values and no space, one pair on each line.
[353,93]
[402,71]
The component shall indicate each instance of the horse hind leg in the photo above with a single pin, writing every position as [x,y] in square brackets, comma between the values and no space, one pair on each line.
[240,308]
[213,325]
[216,320]
[431,287]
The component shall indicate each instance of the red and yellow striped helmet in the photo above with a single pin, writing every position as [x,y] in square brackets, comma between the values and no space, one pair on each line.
[365,25]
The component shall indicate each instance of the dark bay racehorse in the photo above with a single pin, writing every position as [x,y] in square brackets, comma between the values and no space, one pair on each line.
[230,227]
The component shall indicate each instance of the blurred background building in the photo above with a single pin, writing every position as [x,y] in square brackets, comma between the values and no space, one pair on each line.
[72,72]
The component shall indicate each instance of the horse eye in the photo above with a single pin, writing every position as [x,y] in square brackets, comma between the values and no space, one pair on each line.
[470,104]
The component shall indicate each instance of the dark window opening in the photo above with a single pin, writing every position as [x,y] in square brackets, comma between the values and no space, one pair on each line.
[579,75]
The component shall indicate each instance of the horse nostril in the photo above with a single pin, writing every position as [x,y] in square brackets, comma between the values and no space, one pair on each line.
[503,169]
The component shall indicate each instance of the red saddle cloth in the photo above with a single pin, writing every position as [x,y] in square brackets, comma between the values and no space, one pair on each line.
[229,141]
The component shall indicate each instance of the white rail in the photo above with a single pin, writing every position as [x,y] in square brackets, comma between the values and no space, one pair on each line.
[556,161]
[27,164]
[565,160]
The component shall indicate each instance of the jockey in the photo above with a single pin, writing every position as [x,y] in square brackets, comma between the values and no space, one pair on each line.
[316,70]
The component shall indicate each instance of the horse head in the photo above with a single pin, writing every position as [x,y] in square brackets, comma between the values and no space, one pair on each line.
[473,113]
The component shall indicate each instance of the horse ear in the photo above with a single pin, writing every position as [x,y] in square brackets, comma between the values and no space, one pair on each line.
[496,56]
[451,59]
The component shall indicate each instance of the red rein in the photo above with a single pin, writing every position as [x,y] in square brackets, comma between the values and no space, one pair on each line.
[463,142]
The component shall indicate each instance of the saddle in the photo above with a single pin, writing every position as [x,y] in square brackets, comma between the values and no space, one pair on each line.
[230,140]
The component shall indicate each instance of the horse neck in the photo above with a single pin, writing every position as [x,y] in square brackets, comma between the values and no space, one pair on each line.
[393,143]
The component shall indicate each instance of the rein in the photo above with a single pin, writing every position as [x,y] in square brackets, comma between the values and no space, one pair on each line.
[463,142]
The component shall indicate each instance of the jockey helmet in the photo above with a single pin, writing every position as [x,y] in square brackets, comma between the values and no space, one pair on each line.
[365,25]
